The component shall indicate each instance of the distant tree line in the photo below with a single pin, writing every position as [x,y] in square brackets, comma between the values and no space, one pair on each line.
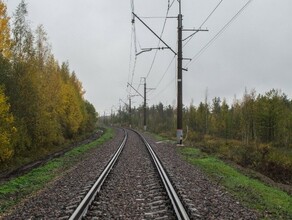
[256,118]
[255,131]
[41,101]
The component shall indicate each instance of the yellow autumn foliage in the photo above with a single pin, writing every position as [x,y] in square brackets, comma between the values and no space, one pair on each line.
[71,113]
[5,40]
[6,128]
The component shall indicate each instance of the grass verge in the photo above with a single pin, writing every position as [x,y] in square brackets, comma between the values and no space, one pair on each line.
[272,203]
[160,137]
[17,189]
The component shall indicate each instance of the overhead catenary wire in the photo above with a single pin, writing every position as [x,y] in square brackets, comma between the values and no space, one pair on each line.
[160,36]
[170,82]
[211,13]
[165,72]
[164,88]
[208,17]
[130,59]
[196,56]
[133,38]
[204,48]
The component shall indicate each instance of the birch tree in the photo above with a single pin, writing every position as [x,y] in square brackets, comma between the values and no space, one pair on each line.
[5,40]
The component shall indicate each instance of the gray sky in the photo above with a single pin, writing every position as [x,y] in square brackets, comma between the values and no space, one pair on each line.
[254,52]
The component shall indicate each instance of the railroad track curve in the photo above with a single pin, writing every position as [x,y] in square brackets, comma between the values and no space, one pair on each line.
[133,185]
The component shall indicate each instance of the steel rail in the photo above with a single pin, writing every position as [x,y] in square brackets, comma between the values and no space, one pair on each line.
[81,210]
[175,200]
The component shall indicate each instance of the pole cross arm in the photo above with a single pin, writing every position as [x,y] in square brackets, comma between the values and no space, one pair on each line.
[136,90]
[195,31]
[154,33]
[150,49]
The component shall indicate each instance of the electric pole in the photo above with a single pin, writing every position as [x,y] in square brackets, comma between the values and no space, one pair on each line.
[206,109]
[179,54]
[145,104]
[179,131]
[130,117]
[120,117]
[145,100]
[111,116]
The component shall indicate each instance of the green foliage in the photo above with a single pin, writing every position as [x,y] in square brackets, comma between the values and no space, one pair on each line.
[80,150]
[160,118]
[22,34]
[20,187]
[5,41]
[271,202]
[7,128]
[90,118]
[255,132]
[278,164]
[272,120]
[46,99]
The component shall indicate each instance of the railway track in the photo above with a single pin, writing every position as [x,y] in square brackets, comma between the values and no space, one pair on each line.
[133,185]
[132,189]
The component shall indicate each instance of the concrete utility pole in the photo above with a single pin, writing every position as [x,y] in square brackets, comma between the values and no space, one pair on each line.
[145,104]
[179,131]
[144,97]
[179,54]
[130,111]
[120,117]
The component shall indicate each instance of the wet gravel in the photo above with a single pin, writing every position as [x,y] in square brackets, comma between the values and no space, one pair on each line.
[52,202]
[129,195]
[133,189]
[203,198]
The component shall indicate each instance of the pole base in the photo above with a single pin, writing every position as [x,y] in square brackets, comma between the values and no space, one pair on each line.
[179,137]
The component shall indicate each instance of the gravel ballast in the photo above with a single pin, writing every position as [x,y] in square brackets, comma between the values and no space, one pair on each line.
[133,189]
[202,198]
[52,202]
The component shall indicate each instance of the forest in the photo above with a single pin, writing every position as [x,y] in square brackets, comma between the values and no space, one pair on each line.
[42,102]
[254,132]
[42,107]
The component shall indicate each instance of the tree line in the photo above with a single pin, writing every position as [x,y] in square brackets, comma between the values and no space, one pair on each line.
[256,118]
[41,101]
[255,131]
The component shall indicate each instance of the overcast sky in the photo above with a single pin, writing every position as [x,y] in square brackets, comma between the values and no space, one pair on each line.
[254,52]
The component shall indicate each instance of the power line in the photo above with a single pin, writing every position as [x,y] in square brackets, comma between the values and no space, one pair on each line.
[132,5]
[165,72]
[133,70]
[130,59]
[163,28]
[170,5]
[194,58]
[169,83]
[162,31]
[164,88]
[212,12]
[133,36]
[161,34]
